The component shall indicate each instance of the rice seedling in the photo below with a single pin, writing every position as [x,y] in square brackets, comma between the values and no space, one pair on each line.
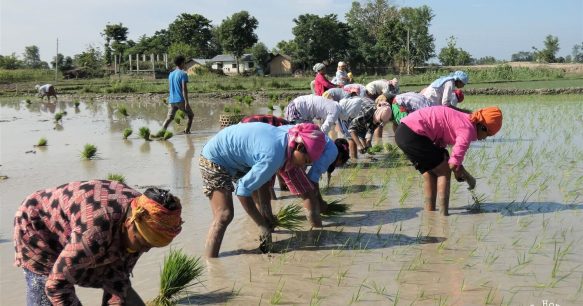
[116,177]
[159,134]
[335,208]
[127,132]
[289,217]
[59,116]
[167,135]
[41,142]
[27,101]
[121,109]
[270,106]
[145,133]
[248,100]
[179,273]
[76,103]
[375,149]
[478,199]
[277,295]
[89,152]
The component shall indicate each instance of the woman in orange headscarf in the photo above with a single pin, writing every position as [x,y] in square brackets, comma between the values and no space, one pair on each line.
[423,135]
[90,234]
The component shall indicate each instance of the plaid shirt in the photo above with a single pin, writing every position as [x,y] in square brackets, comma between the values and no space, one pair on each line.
[269,119]
[72,233]
[364,121]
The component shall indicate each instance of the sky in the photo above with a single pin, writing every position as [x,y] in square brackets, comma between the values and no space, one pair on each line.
[497,28]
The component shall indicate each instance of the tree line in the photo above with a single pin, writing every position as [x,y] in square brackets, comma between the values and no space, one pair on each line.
[376,34]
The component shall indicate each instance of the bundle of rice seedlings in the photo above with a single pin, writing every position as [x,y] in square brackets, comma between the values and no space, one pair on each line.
[167,135]
[123,110]
[145,133]
[41,142]
[127,132]
[89,151]
[335,208]
[160,134]
[58,116]
[77,103]
[375,149]
[116,177]
[177,275]
[180,114]
[478,200]
[28,101]
[289,217]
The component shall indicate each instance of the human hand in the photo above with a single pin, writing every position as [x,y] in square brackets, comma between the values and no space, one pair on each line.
[471,181]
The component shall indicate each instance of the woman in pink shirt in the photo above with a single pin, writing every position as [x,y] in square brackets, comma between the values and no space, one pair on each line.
[321,83]
[423,136]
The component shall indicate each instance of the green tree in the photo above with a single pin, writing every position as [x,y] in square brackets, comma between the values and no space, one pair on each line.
[418,45]
[237,33]
[522,56]
[453,56]
[183,49]
[548,54]
[286,47]
[577,53]
[31,57]
[10,62]
[260,55]
[322,39]
[91,59]
[486,60]
[65,63]
[155,44]
[115,37]
[194,30]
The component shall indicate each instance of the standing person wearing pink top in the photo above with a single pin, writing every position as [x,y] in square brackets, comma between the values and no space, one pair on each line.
[423,136]
[321,83]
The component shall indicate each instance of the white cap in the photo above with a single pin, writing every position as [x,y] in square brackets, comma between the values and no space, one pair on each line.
[341,64]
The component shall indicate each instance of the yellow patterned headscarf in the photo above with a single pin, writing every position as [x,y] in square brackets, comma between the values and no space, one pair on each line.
[157,224]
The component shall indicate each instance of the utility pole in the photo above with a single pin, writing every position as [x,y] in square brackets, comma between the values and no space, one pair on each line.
[57,61]
[408,53]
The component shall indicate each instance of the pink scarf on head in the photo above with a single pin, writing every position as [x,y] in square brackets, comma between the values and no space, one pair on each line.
[311,136]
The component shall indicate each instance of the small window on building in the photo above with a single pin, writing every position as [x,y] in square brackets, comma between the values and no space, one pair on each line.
[234,66]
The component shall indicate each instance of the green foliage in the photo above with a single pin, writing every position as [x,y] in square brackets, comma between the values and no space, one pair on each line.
[89,152]
[260,55]
[59,116]
[549,53]
[289,217]
[167,135]
[120,87]
[115,36]
[270,106]
[194,31]
[76,103]
[116,177]
[31,58]
[177,275]
[375,149]
[248,100]
[121,109]
[92,60]
[127,132]
[453,56]
[10,62]
[237,33]
[25,75]
[144,133]
[41,142]
[335,208]
[227,109]
[180,48]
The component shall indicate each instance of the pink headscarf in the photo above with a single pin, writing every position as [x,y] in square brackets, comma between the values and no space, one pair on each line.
[383,113]
[311,136]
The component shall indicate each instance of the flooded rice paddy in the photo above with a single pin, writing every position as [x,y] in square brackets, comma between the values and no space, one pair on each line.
[523,247]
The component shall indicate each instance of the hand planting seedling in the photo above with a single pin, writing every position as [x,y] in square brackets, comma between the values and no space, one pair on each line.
[177,275]
[289,218]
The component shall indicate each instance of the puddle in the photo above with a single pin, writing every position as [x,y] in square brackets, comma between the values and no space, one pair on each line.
[523,247]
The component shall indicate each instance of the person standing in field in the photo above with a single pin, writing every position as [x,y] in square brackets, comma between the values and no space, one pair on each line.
[423,136]
[90,234]
[321,83]
[250,154]
[341,77]
[440,91]
[46,90]
[178,99]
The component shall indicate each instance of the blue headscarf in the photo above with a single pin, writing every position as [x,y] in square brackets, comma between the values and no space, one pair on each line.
[456,76]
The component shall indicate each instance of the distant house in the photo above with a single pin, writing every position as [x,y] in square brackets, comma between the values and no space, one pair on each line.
[228,64]
[280,64]
[196,63]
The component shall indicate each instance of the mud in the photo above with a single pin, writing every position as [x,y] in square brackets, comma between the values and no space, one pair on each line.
[523,246]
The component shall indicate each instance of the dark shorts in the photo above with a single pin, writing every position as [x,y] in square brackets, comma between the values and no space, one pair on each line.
[420,150]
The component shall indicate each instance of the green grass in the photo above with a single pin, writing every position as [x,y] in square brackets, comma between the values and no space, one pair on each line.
[127,132]
[41,142]
[89,152]
[289,217]
[122,110]
[180,272]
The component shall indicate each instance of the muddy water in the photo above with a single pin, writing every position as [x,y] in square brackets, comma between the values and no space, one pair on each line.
[522,248]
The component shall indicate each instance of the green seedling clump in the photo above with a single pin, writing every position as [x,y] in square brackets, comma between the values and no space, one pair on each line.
[89,152]
[116,177]
[127,132]
[177,275]
[76,103]
[123,110]
[375,149]
[167,135]
[145,133]
[289,217]
[59,116]
[28,101]
[335,208]
[41,142]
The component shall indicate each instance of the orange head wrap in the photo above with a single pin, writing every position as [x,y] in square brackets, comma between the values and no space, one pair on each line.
[157,224]
[490,117]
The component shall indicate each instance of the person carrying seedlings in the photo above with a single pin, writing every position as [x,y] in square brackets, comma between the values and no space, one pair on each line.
[321,83]
[423,135]
[368,120]
[251,154]
[178,98]
[309,107]
[46,90]
[440,91]
[90,234]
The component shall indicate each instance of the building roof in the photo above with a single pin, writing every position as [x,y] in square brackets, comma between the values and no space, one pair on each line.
[231,58]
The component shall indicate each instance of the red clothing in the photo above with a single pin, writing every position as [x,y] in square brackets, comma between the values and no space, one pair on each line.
[444,126]
[321,84]
[269,119]
[72,233]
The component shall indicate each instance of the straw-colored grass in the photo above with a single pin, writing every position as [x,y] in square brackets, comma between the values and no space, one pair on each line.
[178,274]
[289,217]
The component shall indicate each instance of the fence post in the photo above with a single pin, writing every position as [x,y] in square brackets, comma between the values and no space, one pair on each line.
[152,61]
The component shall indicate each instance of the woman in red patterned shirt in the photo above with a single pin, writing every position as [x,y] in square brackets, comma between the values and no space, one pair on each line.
[90,234]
